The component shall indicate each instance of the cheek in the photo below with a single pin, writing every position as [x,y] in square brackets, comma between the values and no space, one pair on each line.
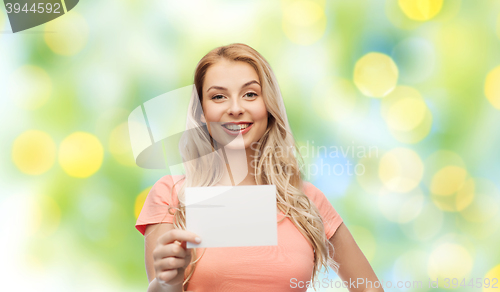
[212,114]
[259,112]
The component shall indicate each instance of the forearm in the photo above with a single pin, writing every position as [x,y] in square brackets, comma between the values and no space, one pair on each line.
[154,286]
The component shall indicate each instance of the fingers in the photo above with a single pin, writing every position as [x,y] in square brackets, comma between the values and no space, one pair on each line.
[180,235]
[170,263]
[169,250]
[171,257]
[164,277]
[170,268]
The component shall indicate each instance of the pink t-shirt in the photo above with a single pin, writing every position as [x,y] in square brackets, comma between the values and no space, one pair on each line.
[260,268]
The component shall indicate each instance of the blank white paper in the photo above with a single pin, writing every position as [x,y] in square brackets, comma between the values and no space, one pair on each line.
[230,216]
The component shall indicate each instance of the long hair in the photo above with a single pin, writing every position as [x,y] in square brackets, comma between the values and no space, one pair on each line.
[197,151]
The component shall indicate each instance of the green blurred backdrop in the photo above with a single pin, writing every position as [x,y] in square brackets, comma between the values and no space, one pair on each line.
[408,90]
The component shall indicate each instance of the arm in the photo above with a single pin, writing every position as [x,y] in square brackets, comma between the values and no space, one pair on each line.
[152,234]
[353,264]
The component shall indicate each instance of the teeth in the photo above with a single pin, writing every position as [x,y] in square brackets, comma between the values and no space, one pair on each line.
[233,127]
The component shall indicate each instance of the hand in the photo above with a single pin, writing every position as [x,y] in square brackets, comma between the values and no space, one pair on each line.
[171,257]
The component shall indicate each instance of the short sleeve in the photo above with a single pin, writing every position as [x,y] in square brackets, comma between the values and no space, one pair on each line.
[156,207]
[331,219]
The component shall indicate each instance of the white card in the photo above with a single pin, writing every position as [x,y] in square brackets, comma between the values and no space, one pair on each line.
[228,216]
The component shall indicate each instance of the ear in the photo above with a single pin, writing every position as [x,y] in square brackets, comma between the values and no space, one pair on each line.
[202,118]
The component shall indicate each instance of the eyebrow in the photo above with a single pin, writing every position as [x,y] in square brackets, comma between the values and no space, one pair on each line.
[223,88]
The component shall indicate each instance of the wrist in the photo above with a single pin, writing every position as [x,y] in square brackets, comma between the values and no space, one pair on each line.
[155,286]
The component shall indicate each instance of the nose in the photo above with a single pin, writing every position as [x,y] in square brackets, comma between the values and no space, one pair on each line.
[235,108]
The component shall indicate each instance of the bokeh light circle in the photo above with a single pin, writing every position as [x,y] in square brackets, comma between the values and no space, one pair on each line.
[401,208]
[494,273]
[437,161]
[406,114]
[30,87]
[426,225]
[34,152]
[451,189]
[81,154]
[397,17]
[67,35]
[482,231]
[411,265]
[401,170]
[448,180]
[416,134]
[375,74]
[139,201]
[304,22]
[421,10]
[492,87]
[449,260]
[465,195]
[485,203]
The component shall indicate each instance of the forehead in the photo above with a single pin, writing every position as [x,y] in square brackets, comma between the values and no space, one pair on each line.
[229,74]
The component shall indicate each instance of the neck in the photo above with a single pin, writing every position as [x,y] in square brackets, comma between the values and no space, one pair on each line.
[239,169]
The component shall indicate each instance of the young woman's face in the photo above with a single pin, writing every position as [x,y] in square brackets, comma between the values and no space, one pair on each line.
[233,104]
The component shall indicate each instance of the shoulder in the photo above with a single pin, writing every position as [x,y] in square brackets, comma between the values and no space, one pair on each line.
[311,190]
[161,197]
[166,188]
[331,219]
[316,196]
[170,180]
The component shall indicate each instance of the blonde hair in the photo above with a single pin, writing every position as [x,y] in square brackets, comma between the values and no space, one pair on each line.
[197,151]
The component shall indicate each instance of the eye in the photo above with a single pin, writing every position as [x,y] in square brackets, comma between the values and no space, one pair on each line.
[217,97]
[251,94]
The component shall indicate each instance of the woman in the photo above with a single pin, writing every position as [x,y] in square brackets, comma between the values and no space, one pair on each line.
[242,112]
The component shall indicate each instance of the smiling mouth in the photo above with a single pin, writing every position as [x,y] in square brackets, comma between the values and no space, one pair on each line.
[235,127]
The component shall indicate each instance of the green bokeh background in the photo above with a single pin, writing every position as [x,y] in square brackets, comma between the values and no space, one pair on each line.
[105,58]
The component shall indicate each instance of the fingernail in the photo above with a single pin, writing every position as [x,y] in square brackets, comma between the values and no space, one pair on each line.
[197,239]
